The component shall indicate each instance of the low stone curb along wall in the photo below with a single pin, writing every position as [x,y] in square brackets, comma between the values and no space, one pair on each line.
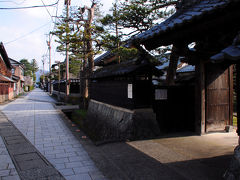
[106,123]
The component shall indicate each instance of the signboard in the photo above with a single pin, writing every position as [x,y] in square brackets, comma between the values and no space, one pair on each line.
[160,94]
[130,96]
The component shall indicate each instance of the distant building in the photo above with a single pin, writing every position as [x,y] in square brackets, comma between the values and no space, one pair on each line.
[18,76]
[28,82]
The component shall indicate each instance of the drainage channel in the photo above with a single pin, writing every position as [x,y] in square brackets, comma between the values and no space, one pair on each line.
[29,162]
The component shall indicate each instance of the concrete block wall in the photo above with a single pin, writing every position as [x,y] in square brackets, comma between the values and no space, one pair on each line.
[105,123]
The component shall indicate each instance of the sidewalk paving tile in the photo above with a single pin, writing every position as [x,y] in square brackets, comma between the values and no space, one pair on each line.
[7,169]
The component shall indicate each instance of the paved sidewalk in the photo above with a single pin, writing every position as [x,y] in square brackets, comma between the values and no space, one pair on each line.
[30,164]
[7,169]
[36,118]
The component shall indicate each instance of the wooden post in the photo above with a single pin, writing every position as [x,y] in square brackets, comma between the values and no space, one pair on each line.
[171,72]
[231,95]
[238,96]
[200,110]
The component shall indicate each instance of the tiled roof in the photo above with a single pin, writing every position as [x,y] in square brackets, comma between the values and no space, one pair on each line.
[127,67]
[165,65]
[184,16]
[100,59]
[188,68]
[14,62]
[5,56]
[117,69]
[231,53]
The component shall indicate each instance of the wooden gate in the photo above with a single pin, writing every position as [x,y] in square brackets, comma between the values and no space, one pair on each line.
[217,97]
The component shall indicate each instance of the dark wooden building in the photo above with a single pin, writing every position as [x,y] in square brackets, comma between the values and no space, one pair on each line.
[211,26]
[127,85]
[174,105]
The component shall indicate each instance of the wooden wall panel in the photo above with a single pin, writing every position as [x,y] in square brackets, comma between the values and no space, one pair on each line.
[217,97]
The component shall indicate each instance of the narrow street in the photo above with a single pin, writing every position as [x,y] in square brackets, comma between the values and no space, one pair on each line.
[36,118]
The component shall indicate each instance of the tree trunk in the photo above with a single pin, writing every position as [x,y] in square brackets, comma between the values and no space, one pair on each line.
[88,56]
[83,79]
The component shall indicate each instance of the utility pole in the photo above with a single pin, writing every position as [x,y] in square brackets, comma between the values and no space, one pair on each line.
[50,71]
[67,3]
[43,61]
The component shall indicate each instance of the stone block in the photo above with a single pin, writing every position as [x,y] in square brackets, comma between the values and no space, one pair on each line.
[16,141]
[32,164]
[106,123]
[20,148]
[26,157]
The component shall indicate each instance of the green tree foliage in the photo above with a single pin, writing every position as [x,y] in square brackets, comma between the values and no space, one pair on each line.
[140,15]
[137,16]
[34,68]
[41,79]
[27,67]
[73,32]
[131,17]
[74,67]
[126,53]
[30,68]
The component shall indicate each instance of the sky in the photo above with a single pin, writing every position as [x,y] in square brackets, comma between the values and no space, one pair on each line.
[24,32]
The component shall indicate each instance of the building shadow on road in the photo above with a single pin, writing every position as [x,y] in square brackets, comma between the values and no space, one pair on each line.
[120,161]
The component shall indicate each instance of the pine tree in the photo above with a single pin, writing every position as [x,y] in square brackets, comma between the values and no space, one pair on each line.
[34,68]
[82,35]
[131,17]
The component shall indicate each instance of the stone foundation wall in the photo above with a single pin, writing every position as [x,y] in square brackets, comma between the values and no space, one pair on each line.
[105,122]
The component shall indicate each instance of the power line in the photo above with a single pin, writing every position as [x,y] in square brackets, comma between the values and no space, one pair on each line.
[55,20]
[47,10]
[27,34]
[13,2]
[28,7]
